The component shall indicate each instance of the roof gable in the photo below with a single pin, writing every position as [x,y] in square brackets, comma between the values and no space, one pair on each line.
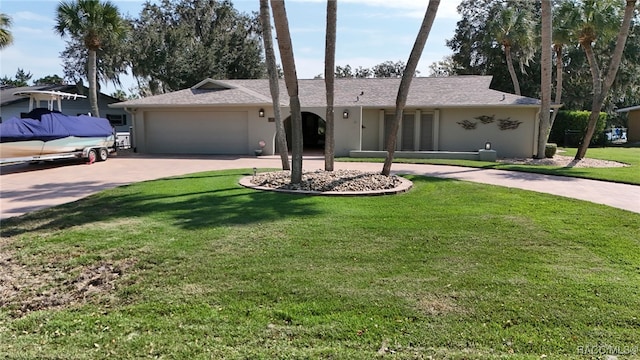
[210,84]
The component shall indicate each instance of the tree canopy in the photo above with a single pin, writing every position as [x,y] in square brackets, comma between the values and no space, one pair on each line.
[21,79]
[6,37]
[477,50]
[94,24]
[175,44]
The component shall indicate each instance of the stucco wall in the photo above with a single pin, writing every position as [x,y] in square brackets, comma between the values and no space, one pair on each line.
[346,131]
[370,129]
[633,131]
[517,142]
[450,136]
[363,129]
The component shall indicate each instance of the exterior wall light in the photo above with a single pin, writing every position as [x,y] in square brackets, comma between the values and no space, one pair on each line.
[261,113]
[487,145]
[345,114]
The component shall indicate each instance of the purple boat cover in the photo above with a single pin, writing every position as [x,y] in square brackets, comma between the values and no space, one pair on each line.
[45,125]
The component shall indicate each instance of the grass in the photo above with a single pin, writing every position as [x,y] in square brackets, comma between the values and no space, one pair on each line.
[628,175]
[207,269]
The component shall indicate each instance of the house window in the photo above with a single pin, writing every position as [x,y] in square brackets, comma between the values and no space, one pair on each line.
[388,123]
[426,132]
[408,129]
[117,119]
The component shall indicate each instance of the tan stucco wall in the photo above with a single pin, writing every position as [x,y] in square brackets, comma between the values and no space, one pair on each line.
[450,136]
[346,131]
[508,143]
[363,129]
[633,131]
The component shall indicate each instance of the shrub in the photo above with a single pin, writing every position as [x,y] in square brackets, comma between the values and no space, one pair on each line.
[570,126]
[550,150]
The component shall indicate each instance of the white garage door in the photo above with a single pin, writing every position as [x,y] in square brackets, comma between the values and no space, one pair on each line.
[196,132]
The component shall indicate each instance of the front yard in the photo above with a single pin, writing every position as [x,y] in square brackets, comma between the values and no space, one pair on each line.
[199,267]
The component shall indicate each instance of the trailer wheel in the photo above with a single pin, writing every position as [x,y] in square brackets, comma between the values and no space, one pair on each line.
[92,155]
[103,154]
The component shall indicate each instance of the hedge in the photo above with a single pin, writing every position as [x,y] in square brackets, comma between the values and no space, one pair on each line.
[570,126]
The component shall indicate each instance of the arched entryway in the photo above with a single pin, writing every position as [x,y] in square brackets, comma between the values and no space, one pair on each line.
[313,130]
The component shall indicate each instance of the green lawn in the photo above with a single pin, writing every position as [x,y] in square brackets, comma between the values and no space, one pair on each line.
[629,174]
[198,267]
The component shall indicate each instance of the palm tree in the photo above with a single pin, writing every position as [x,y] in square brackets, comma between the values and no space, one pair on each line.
[513,28]
[272,70]
[561,37]
[596,19]
[405,82]
[291,80]
[94,22]
[545,84]
[6,38]
[329,77]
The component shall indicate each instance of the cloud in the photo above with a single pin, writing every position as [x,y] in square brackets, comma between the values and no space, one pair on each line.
[29,16]
[409,8]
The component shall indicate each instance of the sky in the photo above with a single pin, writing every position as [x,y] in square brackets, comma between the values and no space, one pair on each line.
[369,32]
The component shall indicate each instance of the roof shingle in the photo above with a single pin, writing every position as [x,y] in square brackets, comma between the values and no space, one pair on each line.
[456,91]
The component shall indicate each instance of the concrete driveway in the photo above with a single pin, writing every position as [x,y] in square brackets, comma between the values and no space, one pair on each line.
[25,188]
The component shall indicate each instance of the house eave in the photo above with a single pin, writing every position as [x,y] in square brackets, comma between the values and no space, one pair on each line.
[628,109]
[452,106]
[164,106]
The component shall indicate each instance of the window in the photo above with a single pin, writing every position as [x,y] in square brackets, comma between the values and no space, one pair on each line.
[117,119]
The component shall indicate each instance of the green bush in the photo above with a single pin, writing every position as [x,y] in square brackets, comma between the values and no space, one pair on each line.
[550,150]
[570,126]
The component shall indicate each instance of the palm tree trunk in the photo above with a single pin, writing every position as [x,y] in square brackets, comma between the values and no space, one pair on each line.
[545,84]
[329,77]
[93,83]
[596,103]
[274,87]
[291,80]
[405,83]
[559,71]
[600,90]
[512,71]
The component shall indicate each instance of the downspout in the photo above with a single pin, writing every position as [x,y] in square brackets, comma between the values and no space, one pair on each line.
[132,132]
[536,132]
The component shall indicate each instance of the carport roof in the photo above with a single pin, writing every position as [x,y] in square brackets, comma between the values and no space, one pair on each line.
[456,91]
[627,109]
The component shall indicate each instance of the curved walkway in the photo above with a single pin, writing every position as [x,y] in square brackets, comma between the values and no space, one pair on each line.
[25,188]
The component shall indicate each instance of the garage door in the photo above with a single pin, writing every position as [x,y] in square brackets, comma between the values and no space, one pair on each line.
[196,132]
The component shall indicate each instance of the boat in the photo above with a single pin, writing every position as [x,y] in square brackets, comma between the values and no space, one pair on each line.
[48,134]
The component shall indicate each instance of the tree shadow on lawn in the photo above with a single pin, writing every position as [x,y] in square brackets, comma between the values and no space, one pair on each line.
[218,201]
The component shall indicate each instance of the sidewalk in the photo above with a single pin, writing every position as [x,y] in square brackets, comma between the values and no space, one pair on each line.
[25,188]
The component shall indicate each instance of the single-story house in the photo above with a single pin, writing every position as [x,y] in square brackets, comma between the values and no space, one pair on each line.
[633,123]
[15,106]
[443,114]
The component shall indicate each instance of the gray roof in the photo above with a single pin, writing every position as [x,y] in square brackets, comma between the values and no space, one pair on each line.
[456,91]
[627,109]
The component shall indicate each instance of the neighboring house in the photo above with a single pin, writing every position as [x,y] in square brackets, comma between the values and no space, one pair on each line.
[633,124]
[18,105]
[447,114]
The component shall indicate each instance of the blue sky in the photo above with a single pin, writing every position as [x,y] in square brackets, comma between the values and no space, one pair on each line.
[369,32]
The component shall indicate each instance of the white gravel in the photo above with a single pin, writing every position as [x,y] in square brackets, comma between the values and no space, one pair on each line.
[565,161]
[324,181]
